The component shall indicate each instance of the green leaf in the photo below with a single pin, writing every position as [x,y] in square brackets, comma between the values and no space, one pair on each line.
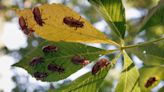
[129,77]
[88,82]
[148,72]
[151,54]
[113,12]
[154,17]
[62,58]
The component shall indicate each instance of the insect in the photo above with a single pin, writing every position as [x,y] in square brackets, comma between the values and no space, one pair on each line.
[150,82]
[55,68]
[70,21]
[49,49]
[77,59]
[40,75]
[37,16]
[36,60]
[24,26]
[100,64]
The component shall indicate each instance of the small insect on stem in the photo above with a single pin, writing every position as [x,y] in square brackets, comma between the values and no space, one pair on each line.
[77,59]
[40,75]
[55,68]
[24,26]
[70,21]
[99,65]
[37,16]
[150,82]
[49,49]
[36,60]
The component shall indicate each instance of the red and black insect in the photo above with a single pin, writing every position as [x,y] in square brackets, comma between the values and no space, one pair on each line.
[49,49]
[70,21]
[36,60]
[37,16]
[100,64]
[24,26]
[150,82]
[55,68]
[40,75]
[77,59]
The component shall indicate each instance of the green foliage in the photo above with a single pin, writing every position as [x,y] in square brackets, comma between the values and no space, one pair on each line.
[129,77]
[155,17]
[151,54]
[62,58]
[113,12]
[131,80]
[86,83]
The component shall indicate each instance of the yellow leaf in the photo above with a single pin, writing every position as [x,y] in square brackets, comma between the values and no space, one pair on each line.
[55,29]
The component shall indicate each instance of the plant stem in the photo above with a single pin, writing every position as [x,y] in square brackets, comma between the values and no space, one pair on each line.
[141,44]
[109,51]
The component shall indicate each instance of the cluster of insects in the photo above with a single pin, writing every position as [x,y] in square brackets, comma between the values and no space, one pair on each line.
[150,82]
[51,67]
[99,65]
[37,17]
[72,22]
[77,59]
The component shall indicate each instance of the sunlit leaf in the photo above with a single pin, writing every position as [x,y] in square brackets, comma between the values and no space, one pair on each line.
[62,58]
[148,72]
[129,77]
[55,29]
[113,12]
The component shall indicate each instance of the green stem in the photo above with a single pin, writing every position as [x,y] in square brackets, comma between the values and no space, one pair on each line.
[109,51]
[141,44]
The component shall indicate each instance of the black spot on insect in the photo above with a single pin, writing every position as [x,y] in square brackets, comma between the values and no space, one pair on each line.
[100,64]
[70,21]
[37,16]
[77,59]
[40,75]
[55,68]
[150,82]
[24,27]
[36,60]
[49,49]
